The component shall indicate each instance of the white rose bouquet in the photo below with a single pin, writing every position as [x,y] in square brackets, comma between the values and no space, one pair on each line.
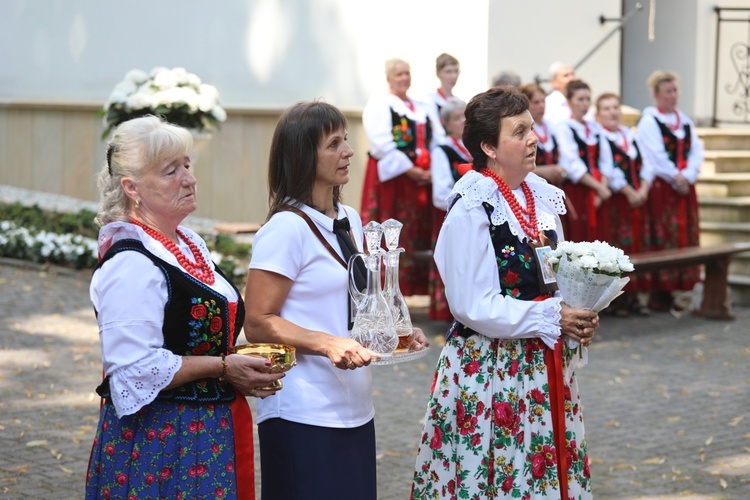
[180,97]
[589,276]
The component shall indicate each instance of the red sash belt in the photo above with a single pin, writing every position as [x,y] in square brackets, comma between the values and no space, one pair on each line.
[553,360]
[596,174]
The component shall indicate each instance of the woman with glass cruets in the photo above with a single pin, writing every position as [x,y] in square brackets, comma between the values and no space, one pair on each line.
[298,295]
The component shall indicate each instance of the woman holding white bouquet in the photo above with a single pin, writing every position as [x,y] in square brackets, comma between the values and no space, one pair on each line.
[502,420]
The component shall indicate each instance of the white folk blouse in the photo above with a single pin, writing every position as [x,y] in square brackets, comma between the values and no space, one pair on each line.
[129,294]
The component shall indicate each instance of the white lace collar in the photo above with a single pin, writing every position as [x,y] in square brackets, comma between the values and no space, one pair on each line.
[116,231]
[476,189]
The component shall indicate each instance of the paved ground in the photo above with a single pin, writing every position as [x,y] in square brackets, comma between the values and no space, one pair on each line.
[667,400]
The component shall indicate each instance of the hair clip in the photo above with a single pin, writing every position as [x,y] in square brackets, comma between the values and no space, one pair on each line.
[109,158]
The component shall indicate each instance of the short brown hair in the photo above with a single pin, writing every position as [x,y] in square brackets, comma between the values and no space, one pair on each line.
[607,95]
[293,161]
[530,89]
[574,85]
[483,115]
[659,77]
[444,60]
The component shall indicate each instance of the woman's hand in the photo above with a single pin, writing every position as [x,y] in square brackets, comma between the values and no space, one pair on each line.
[421,176]
[578,324]
[682,185]
[419,340]
[347,354]
[245,375]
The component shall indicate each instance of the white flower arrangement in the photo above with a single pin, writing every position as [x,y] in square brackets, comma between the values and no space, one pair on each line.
[42,246]
[180,97]
[597,256]
[589,276]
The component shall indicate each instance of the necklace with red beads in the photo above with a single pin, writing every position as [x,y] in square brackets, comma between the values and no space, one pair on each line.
[200,269]
[525,216]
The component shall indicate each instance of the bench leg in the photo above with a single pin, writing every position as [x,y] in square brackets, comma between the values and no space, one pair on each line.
[715,301]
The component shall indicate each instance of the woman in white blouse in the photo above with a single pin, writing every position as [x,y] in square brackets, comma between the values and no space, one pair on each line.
[402,131]
[673,152]
[174,420]
[502,419]
[317,436]
[587,159]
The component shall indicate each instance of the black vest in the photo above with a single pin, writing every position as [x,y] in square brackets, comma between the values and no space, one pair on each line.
[195,324]
[455,160]
[405,134]
[670,141]
[583,151]
[630,167]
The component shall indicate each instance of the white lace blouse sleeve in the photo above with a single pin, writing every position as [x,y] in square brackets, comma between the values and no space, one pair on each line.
[442,178]
[377,122]
[569,159]
[466,261]
[129,294]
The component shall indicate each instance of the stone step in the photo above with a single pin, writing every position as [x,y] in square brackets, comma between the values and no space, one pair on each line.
[740,265]
[724,138]
[723,185]
[717,233]
[725,209]
[725,162]
[739,289]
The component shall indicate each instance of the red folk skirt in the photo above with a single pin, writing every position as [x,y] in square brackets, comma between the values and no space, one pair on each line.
[674,224]
[401,199]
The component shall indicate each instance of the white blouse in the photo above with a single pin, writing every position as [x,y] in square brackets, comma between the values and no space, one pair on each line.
[129,294]
[442,177]
[573,164]
[654,154]
[315,391]
[465,258]
[378,124]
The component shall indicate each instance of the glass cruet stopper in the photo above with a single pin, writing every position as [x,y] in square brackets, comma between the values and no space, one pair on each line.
[392,292]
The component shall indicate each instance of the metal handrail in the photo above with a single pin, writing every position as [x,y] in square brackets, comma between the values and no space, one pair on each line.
[622,20]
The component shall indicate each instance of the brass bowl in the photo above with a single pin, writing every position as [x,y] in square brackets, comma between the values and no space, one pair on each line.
[282,358]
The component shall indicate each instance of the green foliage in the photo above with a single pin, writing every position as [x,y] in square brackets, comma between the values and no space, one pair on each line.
[34,218]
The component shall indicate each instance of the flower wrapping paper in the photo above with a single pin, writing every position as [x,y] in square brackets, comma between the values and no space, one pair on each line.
[585,289]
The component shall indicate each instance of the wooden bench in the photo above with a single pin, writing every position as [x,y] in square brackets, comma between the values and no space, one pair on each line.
[716,259]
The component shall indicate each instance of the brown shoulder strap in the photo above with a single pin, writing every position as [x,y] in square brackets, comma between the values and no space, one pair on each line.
[316,231]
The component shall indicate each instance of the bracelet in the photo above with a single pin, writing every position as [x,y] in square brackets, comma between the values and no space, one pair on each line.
[223,367]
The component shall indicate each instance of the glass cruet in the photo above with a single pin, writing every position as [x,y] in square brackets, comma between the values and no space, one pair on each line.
[373,323]
[392,292]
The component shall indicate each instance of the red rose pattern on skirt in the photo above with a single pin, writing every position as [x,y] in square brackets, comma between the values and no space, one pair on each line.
[488,429]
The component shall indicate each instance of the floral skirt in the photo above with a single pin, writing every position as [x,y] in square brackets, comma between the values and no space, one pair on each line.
[489,425]
[166,450]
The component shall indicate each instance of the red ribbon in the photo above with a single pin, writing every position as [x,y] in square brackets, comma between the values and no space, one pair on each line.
[682,216]
[555,382]
[553,360]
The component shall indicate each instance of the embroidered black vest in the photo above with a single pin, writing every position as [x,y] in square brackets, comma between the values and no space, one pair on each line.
[405,134]
[551,157]
[631,167]
[195,324]
[516,265]
[583,151]
[454,159]
[670,141]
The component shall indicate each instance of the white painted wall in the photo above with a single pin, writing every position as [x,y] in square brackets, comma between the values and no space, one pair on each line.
[527,37]
[684,42]
[259,53]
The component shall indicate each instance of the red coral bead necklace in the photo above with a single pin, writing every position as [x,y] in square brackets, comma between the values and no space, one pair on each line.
[200,269]
[525,216]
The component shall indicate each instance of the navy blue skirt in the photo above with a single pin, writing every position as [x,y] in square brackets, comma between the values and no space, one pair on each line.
[300,461]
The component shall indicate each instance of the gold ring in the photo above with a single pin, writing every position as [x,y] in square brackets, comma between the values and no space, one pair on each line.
[254,392]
